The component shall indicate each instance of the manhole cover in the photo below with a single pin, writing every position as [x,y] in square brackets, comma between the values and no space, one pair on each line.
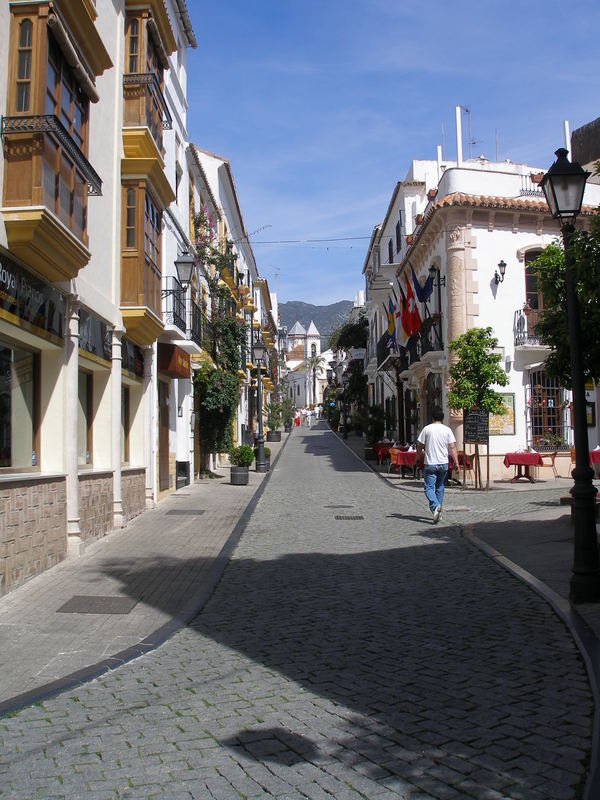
[98,604]
[191,512]
[348,516]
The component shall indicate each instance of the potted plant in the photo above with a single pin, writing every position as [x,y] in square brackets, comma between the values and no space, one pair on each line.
[287,414]
[273,421]
[240,457]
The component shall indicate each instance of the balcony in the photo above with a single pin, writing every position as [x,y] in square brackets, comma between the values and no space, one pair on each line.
[145,105]
[200,332]
[524,327]
[174,303]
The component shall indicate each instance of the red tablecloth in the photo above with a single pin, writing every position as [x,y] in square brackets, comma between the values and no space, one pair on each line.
[406,458]
[594,457]
[525,459]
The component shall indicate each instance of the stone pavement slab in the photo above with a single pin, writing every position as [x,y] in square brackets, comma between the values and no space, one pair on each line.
[351,649]
[172,550]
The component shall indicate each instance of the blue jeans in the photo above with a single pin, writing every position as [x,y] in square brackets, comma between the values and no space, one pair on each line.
[434,479]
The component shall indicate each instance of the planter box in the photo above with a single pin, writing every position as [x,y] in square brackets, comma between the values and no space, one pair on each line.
[239,476]
[369,455]
[273,436]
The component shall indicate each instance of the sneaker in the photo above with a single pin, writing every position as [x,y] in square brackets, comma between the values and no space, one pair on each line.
[436,514]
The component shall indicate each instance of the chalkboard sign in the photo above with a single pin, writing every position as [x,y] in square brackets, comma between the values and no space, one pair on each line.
[476,428]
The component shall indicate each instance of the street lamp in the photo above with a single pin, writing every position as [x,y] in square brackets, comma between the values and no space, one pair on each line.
[259,352]
[563,185]
[184,264]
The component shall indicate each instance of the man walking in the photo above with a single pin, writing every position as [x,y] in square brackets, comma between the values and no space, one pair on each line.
[437,440]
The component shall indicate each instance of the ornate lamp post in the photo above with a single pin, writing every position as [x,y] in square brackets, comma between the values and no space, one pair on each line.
[259,352]
[563,186]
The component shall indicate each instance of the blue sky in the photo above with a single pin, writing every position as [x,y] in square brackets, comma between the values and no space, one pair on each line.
[321,105]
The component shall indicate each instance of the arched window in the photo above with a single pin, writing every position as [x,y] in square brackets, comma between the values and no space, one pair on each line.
[24,65]
[313,349]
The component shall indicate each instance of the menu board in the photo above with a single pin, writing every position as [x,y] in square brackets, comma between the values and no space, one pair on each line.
[476,427]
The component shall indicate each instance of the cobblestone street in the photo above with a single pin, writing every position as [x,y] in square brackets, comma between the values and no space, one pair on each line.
[351,650]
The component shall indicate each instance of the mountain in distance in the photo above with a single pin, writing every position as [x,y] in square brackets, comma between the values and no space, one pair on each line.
[326,318]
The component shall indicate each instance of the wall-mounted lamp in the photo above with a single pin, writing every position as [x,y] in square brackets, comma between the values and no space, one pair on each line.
[499,276]
[433,271]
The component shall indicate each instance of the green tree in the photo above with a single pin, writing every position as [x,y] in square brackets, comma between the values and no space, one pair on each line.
[475,372]
[350,335]
[313,364]
[553,327]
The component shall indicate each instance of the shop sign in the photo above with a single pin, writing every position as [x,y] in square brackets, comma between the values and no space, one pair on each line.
[173,361]
[132,358]
[94,335]
[30,300]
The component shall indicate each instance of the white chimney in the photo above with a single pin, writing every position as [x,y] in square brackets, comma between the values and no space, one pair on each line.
[459,157]
[568,138]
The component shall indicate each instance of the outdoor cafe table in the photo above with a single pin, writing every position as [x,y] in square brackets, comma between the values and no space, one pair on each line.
[520,460]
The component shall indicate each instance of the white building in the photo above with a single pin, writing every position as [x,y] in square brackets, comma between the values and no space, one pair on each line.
[472,228]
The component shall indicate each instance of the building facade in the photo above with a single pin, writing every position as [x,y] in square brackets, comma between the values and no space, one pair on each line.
[454,252]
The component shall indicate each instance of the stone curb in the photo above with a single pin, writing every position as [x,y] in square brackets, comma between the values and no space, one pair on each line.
[160,635]
[585,639]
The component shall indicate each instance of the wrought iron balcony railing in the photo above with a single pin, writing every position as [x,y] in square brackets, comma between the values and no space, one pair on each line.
[524,327]
[174,303]
[50,124]
[150,81]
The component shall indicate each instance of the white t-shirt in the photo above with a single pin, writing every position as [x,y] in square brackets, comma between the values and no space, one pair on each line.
[435,438]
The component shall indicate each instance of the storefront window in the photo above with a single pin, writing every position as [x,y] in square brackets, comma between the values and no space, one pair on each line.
[125,425]
[84,420]
[18,417]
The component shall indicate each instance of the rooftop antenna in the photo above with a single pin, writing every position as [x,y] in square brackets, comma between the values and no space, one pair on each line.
[468,113]
[276,273]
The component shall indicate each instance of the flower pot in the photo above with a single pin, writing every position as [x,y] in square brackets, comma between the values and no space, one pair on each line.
[287,428]
[273,436]
[239,476]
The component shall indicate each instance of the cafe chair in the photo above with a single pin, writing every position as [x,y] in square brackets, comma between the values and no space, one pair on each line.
[466,461]
[393,461]
[548,460]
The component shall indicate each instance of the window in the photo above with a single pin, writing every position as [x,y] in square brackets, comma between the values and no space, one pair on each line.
[533,295]
[313,350]
[125,424]
[548,409]
[85,414]
[130,208]
[64,187]
[133,40]
[390,252]
[19,393]
[152,226]
[398,236]
[24,65]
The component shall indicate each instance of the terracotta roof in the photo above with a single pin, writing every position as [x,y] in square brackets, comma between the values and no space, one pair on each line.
[491,201]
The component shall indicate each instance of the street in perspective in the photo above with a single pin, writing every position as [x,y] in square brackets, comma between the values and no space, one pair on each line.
[350,649]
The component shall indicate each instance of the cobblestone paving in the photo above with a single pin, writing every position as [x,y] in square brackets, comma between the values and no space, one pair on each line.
[351,650]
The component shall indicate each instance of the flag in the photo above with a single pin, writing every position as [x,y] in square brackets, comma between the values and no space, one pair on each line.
[391,328]
[411,321]
[423,292]
[402,310]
